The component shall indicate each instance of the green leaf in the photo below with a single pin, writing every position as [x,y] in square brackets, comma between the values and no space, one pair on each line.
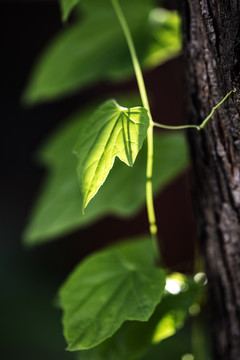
[58,209]
[134,339]
[107,289]
[113,131]
[94,49]
[67,7]
[86,52]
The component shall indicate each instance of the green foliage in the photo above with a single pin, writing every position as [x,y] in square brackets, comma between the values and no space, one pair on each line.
[113,131]
[135,339]
[87,52]
[58,209]
[107,289]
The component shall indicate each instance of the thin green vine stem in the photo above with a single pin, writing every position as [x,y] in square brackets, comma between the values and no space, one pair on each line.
[204,122]
[143,93]
[180,127]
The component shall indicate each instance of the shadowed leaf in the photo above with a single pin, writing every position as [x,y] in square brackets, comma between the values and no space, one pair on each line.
[107,289]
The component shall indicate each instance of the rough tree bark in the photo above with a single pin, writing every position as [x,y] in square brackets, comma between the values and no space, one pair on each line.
[212,60]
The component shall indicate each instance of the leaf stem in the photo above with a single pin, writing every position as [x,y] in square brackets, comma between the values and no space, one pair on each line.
[180,127]
[143,93]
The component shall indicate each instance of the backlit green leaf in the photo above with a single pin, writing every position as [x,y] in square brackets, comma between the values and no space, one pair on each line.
[113,131]
[107,289]
[58,208]
[94,48]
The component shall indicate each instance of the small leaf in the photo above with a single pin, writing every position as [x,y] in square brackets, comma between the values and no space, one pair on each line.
[112,131]
[107,289]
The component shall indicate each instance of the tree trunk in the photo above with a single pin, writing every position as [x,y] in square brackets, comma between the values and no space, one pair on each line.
[212,59]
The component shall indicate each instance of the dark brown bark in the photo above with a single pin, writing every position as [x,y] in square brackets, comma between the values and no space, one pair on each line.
[212,58]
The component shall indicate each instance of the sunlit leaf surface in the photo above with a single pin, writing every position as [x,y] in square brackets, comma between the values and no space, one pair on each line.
[113,131]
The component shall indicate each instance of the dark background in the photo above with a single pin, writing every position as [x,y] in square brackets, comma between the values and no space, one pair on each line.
[30,325]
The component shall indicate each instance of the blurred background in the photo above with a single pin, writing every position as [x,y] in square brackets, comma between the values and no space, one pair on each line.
[30,277]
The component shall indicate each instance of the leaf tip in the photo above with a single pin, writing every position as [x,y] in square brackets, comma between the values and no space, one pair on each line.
[84,205]
[73,347]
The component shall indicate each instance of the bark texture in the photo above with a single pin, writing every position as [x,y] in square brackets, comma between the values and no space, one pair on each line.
[212,58]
